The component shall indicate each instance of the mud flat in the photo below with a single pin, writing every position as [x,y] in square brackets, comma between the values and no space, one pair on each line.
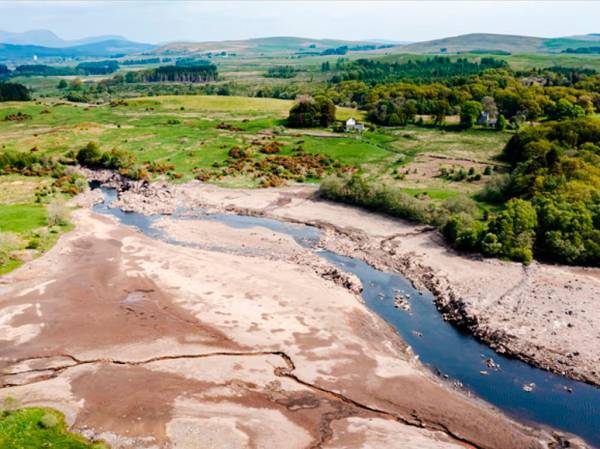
[146,344]
[543,314]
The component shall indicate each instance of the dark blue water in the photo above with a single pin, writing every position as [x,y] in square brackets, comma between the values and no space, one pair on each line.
[554,401]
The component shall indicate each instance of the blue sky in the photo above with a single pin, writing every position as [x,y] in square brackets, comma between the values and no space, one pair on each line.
[161,21]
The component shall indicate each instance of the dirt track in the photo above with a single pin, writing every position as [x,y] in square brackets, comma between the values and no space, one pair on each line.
[150,345]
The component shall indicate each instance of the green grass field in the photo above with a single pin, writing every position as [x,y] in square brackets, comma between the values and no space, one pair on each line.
[183,131]
[24,230]
[39,428]
[186,132]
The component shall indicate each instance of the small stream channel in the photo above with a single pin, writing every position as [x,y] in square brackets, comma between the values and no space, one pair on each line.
[553,400]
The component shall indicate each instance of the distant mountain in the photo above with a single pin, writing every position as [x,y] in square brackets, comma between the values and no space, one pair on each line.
[496,42]
[33,37]
[95,49]
[271,45]
[389,42]
[594,37]
[47,38]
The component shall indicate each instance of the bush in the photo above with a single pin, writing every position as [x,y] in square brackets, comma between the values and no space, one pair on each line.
[375,196]
[58,213]
[92,157]
[463,231]
[496,189]
[9,243]
[460,204]
[48,421]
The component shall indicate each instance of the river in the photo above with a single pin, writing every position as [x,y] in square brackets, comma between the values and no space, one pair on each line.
[553,400]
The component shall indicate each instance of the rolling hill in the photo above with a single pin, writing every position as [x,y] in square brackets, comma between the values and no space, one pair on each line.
[274,45]
[496,42]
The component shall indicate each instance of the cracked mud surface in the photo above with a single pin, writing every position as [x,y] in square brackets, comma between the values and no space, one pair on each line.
[545,315]
[150,345]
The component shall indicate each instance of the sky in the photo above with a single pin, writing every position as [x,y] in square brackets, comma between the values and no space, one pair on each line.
[165,21]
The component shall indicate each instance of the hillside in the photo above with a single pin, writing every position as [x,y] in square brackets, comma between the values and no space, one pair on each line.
[495,42]
[274,45]
[96,49]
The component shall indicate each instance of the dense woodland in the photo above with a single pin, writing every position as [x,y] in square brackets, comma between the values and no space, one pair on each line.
[186,74]
[427,70]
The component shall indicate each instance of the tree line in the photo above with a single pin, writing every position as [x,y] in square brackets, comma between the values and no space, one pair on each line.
[420,70]
[555,94]
[185,74]
[549,202]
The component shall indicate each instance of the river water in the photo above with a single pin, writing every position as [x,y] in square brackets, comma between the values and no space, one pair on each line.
[553,400]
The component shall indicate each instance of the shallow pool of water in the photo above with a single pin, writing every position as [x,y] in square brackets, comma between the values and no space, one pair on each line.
[553,400]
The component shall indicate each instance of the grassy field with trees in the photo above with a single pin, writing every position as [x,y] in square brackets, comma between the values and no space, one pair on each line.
[490,148]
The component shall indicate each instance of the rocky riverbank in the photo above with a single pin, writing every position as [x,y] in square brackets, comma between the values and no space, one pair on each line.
[153,345]
[545,315]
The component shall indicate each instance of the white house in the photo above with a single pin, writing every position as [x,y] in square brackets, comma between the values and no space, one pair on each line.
[353,125]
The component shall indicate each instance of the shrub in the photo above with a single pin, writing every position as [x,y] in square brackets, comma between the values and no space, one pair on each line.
[9,242]
[496,189]
[380,197]
[58,213]
[92,156]
[460,204]
[48,421]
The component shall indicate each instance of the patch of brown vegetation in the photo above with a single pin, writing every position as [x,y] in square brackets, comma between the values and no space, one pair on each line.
[18,117]
[227,126]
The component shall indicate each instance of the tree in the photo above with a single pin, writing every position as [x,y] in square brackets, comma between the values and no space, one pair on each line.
[514,230]
[62,84]
[564,109]
[75,84]
[567,232]
[469,113]
[489,105]
[586,103]
[326,110]
[501,123]
[13,92]
[310,112]
[440,109]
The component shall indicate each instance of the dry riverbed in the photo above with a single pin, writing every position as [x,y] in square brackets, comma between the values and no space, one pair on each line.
[246,340]
[543,314]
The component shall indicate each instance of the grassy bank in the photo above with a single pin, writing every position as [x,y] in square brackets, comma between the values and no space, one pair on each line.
[28,227]
[37,428]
